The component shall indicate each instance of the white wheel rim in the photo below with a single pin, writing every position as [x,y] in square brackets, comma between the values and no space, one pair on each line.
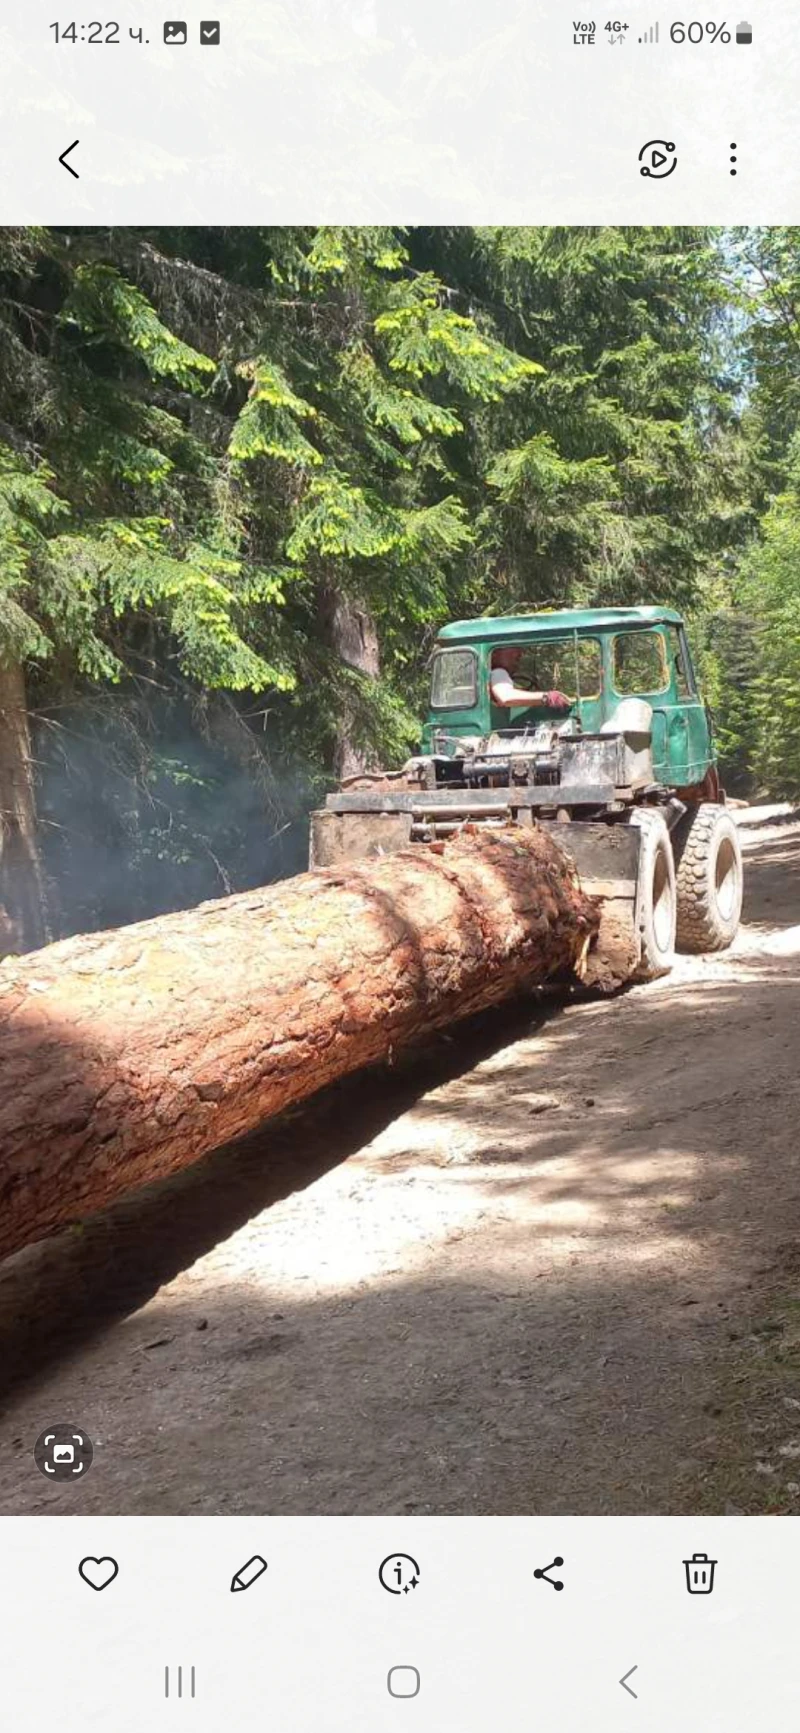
[726,879]
[663,903]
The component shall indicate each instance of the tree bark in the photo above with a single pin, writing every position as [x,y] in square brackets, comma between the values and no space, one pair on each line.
[23,905]
[127,1055]
[351,632]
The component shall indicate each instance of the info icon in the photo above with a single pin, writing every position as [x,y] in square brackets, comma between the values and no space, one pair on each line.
[63,1453]
[399,1573]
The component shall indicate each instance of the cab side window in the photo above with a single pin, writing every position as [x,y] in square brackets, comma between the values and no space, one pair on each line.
[561,665]
[640,664]
[679,651]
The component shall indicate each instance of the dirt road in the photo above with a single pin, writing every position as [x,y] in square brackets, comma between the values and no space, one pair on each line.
[550,1269]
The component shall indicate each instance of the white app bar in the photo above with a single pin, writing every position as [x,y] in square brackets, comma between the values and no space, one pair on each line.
[361,111]
[323,1625]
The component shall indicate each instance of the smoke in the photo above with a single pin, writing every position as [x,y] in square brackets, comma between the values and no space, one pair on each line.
[141,813]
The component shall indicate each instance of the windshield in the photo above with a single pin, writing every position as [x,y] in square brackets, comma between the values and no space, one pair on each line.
[454,685]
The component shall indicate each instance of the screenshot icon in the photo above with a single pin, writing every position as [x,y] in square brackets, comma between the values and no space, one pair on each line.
[63,1453]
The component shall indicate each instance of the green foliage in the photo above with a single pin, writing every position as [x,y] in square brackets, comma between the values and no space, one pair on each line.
[750,624]
[399,409]
[28,507]
[769,589]
[726,651]
[269,423]
[106,309]
[608,485]
[344,252]
[423,337]
[342,520]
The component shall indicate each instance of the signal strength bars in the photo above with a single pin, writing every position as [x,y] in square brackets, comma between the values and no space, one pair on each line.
[650,35]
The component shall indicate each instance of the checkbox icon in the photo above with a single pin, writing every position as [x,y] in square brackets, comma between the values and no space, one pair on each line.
[210,33]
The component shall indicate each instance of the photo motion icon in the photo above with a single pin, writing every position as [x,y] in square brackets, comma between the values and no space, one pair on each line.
[657,159]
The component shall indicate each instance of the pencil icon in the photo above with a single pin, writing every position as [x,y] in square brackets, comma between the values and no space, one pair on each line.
[249,1573]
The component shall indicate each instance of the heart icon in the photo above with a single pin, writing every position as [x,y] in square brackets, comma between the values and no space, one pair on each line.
[98,1572]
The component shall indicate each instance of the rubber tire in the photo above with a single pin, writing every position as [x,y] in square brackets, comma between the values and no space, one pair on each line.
[709,907]
[657,896]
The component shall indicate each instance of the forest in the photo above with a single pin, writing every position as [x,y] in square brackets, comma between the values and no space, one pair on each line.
[246,474]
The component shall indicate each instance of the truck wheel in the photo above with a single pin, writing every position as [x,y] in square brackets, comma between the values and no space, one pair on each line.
[656,898]
[710,879]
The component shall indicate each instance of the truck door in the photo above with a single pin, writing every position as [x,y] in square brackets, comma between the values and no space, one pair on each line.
[699,755]
[641,668]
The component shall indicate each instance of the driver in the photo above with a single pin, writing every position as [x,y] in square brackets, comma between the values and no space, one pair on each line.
[504,691]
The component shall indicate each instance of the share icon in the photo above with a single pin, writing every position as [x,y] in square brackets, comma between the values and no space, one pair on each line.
[543,1576]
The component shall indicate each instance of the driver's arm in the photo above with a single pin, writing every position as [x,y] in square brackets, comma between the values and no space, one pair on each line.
[504,692]
[519,696]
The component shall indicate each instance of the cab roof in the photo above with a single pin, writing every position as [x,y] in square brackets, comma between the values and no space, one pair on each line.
[499,627]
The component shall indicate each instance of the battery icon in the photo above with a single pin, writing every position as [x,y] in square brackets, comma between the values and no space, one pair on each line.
[744,32]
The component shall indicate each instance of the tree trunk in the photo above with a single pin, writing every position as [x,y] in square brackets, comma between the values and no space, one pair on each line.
[23,910]
[350,631]
[127,1055]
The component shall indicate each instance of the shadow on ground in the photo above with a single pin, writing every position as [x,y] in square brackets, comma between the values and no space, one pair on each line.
[61,1292]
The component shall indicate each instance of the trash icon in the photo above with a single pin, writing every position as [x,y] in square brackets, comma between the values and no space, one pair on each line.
[700,1573]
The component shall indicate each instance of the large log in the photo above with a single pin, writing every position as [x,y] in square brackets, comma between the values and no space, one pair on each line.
[126,1055]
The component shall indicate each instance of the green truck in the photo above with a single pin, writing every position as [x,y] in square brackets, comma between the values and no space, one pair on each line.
[587,720]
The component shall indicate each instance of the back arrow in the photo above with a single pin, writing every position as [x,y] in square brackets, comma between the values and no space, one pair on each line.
[625,1686]
[63,159]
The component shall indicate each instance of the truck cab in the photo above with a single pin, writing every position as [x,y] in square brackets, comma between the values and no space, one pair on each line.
[598,658]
